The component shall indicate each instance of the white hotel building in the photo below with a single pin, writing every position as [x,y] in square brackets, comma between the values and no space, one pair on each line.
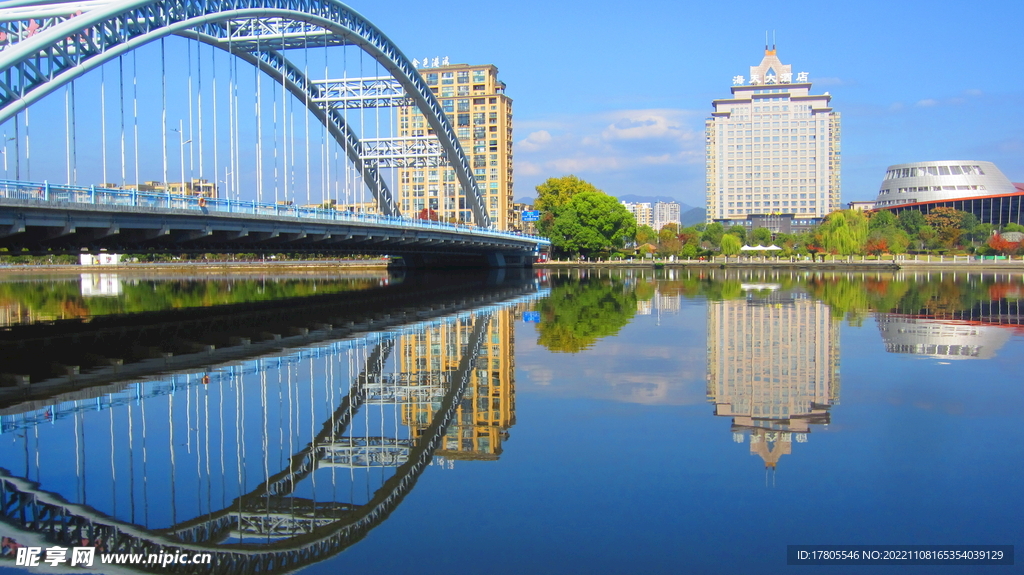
[772,149]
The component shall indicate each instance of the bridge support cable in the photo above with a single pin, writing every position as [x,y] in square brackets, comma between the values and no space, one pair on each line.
[68,47]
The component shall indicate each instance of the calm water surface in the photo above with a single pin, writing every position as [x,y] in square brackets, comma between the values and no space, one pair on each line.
[577,422]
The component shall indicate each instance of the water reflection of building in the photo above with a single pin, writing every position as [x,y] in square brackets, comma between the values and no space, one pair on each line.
[773,367]
[100,285]
[941,339]
[661,302]
[487,409]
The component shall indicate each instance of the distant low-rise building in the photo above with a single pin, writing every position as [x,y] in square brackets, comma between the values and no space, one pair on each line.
[861,206]
[193,187]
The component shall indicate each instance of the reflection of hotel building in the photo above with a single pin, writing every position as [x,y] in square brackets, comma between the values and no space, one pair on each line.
[487,409]
[773,367]
[940,339]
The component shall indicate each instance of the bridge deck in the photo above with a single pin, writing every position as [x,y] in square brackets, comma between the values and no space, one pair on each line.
[46,218]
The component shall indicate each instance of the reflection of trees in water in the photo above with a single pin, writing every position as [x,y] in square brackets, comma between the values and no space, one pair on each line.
[854,296]
[581,311]
[64,299]
[568,325]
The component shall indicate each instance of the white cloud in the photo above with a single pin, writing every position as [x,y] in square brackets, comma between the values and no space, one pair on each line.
[641,147]
[535,141]
[927,103]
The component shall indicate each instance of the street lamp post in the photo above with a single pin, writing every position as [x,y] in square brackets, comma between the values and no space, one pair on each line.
[181,152]
[6,139]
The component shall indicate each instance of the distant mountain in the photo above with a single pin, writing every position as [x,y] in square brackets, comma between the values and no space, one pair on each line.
[525,200]
[692,216]
[635,199]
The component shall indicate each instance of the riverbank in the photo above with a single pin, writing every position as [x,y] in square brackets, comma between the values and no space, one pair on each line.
[959,263]
[202,267]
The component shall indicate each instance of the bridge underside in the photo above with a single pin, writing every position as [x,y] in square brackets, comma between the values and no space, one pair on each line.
[34,228]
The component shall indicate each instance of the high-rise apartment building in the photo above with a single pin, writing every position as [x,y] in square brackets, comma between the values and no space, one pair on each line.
[772,149]
[666,213]
[642,211]
[475,102]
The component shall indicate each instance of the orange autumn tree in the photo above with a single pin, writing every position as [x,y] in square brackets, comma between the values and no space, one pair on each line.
[1002,245]
[946,222]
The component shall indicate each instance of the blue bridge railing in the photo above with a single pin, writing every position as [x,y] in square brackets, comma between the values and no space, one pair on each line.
[59,193]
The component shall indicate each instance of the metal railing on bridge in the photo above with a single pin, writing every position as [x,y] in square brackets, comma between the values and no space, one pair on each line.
[46,192]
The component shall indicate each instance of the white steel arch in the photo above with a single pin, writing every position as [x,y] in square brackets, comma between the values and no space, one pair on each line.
[74,37]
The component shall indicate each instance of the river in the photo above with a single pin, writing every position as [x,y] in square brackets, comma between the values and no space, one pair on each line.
[571,421]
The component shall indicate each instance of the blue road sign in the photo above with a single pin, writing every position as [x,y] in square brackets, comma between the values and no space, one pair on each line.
[531,216]
[531,316]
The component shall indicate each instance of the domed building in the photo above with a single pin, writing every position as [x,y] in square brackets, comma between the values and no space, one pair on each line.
[968,185]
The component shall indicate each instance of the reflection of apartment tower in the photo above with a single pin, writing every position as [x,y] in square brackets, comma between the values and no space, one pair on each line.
[666,303]
[487,409]
[773,367]
[644,307]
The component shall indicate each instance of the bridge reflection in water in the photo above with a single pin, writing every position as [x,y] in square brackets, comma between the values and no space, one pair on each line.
[272,462]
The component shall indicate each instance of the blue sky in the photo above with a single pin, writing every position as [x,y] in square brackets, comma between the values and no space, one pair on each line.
[617,93]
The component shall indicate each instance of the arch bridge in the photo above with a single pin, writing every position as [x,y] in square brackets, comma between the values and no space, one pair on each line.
[52,46]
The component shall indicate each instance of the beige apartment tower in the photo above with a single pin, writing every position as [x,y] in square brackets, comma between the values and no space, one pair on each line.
[476,105]
[772,148]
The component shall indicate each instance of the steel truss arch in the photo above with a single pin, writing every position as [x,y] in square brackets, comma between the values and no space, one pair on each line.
[277,67]
[40,64]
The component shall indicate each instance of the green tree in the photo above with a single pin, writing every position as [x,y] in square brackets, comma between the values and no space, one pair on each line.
[556,192]
[882,220]
[844,232]
[1012,227]
[730,245]
[971,227]
[927,237]
[738,231]
[911,221]
[646,235]
[713,234]
[761,237]
[590,222]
